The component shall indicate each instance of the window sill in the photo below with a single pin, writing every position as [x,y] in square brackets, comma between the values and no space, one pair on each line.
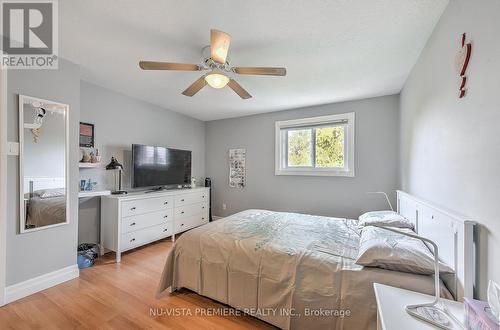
[315,173]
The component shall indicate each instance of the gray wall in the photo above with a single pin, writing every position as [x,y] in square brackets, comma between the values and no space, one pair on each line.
[121,121]
[36,253]
[450,147]
[45,158]
[376,162]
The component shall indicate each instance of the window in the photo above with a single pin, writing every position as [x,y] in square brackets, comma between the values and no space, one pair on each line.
[316,146]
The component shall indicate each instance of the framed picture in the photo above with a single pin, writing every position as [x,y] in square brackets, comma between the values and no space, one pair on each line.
[86,135]
[237,168]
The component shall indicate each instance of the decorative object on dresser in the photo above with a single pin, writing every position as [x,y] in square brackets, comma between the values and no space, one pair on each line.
[139,218]
[118,168]
[87,185]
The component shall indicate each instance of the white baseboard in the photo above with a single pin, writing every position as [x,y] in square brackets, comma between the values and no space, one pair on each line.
[39,283]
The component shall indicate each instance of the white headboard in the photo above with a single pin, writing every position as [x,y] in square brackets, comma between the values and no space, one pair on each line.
[43,183]
[453,234]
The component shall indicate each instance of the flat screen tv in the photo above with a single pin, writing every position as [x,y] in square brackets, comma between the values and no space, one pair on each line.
[159,166]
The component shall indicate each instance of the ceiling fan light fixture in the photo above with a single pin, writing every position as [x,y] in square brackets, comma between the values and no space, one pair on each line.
[215,60]
[216,80]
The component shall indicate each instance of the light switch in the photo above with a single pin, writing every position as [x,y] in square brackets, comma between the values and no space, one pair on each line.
[13,148]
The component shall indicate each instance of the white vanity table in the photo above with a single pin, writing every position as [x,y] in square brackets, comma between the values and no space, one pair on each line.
[138,218]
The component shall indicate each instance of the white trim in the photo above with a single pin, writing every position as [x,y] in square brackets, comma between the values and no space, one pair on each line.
[349,145]
[454,235]
[93,193]
[3,181]
[22,218]
[39,283]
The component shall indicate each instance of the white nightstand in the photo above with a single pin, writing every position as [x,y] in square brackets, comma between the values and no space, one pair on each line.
[391,313]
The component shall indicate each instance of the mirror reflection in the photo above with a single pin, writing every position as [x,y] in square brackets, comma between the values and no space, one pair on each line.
[43,163]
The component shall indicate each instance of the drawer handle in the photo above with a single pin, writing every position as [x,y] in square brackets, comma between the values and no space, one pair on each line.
[132,240]
[182,200]
[165,203]
[132,208]
[165,230]
[203,196]
[165,216]
[182,212]
[132,224]
[203,207]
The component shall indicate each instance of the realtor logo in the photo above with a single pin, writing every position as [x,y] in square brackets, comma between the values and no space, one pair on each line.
[29,34]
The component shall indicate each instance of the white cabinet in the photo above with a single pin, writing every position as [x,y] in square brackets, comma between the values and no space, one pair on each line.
[129,221]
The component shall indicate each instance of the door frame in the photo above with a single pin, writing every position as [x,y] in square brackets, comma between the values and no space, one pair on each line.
[3,181]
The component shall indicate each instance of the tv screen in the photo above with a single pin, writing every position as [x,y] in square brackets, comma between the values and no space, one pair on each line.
[158,166]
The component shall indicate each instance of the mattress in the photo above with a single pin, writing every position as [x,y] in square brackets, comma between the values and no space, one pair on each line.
[294,271]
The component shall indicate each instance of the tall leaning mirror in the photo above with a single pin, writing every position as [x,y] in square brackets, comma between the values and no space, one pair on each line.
[43,163]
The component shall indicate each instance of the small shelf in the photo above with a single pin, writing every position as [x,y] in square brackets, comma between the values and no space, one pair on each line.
[94,193]
[89,165]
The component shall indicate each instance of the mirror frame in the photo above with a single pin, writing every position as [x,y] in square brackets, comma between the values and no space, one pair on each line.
[22,217]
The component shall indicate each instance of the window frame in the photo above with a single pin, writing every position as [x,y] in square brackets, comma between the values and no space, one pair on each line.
[281,145]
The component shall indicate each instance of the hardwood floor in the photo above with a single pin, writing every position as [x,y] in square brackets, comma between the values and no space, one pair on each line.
[122,296]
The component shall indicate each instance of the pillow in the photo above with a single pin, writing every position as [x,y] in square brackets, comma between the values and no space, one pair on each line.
[388,250]
[49,193]
[384,218]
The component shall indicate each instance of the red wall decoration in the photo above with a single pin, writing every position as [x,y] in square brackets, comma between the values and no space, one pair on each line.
[462,61]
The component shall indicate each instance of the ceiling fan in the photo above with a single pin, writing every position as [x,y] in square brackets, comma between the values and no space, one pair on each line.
[216,62]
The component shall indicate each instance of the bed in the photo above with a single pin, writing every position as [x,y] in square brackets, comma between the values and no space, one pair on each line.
[291,270]
[44,201]
[46,210]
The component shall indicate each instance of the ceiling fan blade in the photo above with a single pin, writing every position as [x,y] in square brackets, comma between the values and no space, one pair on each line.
[219,45]
[238,89]
[147,65]
[195,87]
[260,71]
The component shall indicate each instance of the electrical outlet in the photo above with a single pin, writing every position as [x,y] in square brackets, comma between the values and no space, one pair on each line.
[13,148]
[224,206]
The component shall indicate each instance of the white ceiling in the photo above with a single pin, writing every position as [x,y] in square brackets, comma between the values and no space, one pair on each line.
[333,50]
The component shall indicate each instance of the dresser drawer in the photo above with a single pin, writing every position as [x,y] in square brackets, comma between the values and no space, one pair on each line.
[146,205]
[191,198]
[190,210]
[136,222]
[146,235]
[190,222]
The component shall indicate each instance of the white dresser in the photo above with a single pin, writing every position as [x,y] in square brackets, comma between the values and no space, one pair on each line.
[129,221]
